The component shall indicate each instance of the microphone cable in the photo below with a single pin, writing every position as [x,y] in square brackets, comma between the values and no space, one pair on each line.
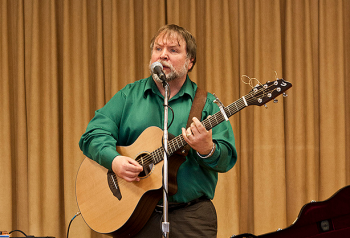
[78,213]
[21,232]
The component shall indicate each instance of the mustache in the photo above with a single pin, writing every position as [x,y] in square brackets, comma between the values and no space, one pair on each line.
[166,64]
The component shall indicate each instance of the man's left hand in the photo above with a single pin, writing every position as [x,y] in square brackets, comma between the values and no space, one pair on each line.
[198,137]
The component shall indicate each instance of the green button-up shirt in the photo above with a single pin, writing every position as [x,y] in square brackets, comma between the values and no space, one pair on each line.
[140,105]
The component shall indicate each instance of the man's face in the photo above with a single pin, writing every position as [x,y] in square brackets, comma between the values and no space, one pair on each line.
[170,51]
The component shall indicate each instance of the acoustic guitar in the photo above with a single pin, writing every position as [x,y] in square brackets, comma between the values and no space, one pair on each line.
[110,205]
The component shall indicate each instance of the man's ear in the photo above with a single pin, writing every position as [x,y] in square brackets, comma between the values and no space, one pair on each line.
[190,65]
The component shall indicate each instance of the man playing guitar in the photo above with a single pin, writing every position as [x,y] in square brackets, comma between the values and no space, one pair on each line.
[137,107]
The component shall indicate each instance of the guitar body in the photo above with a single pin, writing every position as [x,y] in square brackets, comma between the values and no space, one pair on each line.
[125,216]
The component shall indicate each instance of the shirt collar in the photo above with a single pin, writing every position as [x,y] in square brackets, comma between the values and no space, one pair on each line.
[188,88]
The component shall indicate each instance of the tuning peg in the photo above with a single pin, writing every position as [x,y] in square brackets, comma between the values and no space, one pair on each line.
[265,106]
[285,95]
[275,100]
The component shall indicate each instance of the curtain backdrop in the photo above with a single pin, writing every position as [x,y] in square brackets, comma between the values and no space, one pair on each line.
[62,60]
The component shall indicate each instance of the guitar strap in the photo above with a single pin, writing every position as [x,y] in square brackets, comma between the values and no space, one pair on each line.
[197,106]
[196,111]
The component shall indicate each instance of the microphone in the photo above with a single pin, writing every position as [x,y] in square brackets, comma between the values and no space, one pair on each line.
[157,68]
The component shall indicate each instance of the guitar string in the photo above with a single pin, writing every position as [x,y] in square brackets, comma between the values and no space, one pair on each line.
[219,117]
[181,141]
[149,159]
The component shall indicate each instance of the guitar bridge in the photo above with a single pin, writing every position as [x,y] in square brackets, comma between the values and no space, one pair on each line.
[113,184]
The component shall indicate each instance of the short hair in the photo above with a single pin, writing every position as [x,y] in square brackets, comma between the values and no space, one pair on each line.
[191,46]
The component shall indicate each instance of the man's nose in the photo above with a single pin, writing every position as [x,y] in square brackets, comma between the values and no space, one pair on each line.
[164,54]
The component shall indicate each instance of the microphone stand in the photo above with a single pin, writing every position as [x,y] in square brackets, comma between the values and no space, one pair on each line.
[165,223]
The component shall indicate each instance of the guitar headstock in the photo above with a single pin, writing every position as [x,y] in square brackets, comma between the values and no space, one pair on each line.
[262,94]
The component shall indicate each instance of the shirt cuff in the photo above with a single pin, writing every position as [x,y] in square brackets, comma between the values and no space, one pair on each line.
[107,156]
[213,158]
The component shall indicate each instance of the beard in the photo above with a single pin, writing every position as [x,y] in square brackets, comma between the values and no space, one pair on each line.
[174,74]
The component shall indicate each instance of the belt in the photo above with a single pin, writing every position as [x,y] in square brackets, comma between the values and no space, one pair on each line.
[173,205]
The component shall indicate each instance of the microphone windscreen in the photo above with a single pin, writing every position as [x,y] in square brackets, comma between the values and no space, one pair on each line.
[155,64]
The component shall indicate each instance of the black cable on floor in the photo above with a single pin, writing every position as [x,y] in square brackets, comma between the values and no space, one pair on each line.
[71,222]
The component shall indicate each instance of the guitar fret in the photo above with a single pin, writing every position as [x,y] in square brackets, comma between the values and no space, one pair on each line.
[178,143]
[216,120]
[159,153]
[155,156]
[236,106]
[172,146]
[181,141]
[228,108]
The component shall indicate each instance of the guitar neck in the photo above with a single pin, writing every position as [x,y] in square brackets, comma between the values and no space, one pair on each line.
[218,117]
[259,95]
[209,123]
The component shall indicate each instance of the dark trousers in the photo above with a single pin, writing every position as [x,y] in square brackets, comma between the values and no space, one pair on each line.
[195,220]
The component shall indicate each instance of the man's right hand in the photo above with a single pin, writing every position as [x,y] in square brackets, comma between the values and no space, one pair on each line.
[126,168]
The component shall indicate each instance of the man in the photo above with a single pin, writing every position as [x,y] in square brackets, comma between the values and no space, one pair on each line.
[140,105]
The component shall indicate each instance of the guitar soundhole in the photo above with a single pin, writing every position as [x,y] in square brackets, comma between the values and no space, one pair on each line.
[145,161]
